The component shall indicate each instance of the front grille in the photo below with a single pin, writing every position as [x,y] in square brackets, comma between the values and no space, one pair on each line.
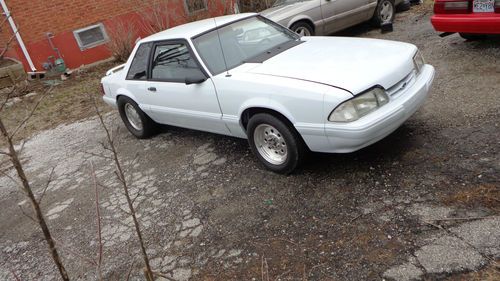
[402,85]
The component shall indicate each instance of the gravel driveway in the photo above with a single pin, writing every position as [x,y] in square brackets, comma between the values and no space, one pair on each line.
[423,203]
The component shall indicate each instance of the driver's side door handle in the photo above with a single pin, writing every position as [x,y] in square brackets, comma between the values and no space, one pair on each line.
[152,89]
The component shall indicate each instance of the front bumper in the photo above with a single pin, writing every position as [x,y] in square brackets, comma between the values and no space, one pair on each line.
[479,23]
[349,137]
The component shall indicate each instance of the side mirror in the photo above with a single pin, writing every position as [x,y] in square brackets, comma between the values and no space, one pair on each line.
[197,78]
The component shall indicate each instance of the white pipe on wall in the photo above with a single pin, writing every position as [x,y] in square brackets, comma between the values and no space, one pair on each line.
[18,36]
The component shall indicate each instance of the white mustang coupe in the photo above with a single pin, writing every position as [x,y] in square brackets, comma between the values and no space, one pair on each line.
[248,77]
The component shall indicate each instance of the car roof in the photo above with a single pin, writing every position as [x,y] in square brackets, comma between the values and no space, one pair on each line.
[189,30]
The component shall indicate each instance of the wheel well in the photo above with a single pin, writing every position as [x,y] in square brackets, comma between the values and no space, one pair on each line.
[309,22]
[249,112]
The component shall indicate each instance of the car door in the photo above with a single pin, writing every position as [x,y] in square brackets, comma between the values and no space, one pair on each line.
[180,93]
[340,14]
[136,77]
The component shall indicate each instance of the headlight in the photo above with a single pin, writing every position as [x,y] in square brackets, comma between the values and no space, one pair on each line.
[359,106]
[419,61]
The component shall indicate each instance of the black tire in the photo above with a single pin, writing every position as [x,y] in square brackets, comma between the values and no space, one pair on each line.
[472,37]
[296,27]
[148,126]
[296,148]
[377,18]
[403,7]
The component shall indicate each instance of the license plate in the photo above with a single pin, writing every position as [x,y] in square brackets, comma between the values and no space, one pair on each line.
[484,6]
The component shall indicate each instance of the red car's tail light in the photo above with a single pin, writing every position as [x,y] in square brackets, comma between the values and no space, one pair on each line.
[452,6]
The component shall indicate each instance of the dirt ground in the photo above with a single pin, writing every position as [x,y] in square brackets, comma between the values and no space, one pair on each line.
[60,103]
[422,204]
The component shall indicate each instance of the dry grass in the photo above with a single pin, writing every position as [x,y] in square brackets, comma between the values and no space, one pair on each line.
[487,195]
[489,273]
[66,103]
[426,6]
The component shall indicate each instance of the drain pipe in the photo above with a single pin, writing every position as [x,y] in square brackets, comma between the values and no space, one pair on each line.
[18,36]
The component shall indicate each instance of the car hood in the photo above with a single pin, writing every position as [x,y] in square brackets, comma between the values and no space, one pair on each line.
[353,64]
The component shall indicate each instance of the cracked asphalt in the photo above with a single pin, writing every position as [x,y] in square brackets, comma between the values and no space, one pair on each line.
[422,204]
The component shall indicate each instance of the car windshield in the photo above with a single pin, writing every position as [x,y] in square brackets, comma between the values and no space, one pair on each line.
[286,2]
[234,44]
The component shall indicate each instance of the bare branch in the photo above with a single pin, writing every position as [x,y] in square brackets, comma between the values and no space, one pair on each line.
[6,46]
[29,115]
[49,180]
[121,176]
[98,155]
[460,219]
[75,253]
[12,179]
[26,214]
[98,214]
[26,187]
[130,271]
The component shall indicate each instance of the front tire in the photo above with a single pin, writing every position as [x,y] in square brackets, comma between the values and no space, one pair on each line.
[384,13]
[275,143]
[302,28]
[136,121]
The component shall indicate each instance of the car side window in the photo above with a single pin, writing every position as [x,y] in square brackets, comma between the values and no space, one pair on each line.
[139,67]
[173,62]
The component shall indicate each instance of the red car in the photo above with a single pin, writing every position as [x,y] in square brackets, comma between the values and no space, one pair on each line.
[470,18]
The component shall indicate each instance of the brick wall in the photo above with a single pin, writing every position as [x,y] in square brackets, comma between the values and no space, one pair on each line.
[35,18]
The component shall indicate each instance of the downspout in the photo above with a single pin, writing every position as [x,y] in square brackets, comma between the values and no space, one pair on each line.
[18,36]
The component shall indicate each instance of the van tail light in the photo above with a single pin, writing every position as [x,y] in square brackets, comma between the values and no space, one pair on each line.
[102,90]
[453,6]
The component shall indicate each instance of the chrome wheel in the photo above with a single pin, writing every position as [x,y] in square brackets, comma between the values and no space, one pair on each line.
[386,12]
[270,144]
[302,31]
[133,117]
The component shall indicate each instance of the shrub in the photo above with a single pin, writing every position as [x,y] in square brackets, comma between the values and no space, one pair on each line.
[122,40]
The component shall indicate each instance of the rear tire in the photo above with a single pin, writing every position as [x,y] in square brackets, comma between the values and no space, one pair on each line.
[136,121]
[403,7]
[302,28]
[384,13]
[472,37]
[275,143]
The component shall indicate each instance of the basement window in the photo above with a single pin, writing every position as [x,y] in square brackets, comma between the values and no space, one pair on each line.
[91,36]
[193,6]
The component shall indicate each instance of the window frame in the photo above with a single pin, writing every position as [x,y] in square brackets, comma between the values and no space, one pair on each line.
[147,62]
[167,42]
[95,44]
[186,7]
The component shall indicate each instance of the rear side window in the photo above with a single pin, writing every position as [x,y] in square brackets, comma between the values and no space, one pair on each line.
[139,67]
